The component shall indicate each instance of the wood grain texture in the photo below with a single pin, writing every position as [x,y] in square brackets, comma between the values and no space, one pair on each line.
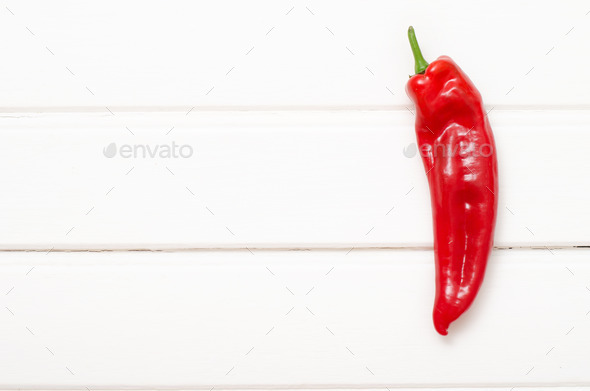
[272,179]
[274,319]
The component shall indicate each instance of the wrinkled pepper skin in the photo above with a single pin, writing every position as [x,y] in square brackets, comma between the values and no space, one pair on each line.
[459,156]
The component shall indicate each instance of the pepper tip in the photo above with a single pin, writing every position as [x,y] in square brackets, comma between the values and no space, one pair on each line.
[441,329]
[441,321]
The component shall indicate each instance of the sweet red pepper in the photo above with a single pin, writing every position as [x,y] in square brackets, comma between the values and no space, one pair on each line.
[459,155]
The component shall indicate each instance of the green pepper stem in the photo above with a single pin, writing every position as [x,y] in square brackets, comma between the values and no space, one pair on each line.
[420,63]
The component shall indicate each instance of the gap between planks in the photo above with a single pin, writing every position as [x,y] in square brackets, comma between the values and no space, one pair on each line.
[262,108]
[254,248]
[318,387]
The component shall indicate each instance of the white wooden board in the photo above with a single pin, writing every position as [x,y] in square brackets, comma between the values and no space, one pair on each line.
[229,53]
[301,136]
[275,319]
[272,179]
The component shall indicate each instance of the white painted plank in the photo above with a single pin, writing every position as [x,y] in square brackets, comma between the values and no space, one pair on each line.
[263,52]
[273,179]
[550,388]
[271,319]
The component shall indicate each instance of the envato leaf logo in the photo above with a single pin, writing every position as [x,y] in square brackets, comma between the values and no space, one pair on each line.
[410,150]
[147,151]
[110,150]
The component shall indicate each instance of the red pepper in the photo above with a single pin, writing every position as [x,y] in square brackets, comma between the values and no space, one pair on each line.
[459,156]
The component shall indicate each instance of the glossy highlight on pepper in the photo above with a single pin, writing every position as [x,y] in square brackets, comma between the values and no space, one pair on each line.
[459,156]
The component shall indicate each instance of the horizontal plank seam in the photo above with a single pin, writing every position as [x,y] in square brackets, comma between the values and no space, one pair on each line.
[372,387]
[264,108]
[193,249]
